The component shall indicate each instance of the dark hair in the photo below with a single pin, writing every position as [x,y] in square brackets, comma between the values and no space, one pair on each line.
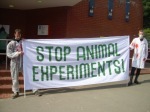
[141,30]
[18,30]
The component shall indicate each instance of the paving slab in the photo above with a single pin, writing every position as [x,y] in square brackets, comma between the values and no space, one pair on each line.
[110,97]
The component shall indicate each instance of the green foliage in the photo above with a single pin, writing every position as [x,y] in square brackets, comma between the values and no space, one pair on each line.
[147,33]
[146,16]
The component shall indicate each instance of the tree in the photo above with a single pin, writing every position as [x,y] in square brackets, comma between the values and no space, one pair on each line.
[146,18]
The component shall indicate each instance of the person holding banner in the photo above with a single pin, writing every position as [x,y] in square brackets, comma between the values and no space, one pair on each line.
[140,47]
[15,53]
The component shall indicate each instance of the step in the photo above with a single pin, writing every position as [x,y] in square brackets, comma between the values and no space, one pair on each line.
[5,95]
[6,84]
[8,88]
[145,71]
[6,73]
[8,80]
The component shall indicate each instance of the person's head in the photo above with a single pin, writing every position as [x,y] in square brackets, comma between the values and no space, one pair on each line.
[141,34]
[17,34]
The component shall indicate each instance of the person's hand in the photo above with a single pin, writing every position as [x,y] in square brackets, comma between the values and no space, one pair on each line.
[130,48]
[21,53]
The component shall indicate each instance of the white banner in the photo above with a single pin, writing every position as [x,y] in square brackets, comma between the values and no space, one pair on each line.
[54,63]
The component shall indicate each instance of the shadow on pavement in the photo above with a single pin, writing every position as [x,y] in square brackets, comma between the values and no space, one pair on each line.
[146,81]
[76,89]
[82,88]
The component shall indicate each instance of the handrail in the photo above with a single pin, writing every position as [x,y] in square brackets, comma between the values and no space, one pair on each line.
[6,48]
[6,39]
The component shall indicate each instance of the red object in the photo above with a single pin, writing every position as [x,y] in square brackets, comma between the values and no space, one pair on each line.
[136,46]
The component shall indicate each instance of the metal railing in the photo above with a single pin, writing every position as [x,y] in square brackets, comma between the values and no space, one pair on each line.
[6,41]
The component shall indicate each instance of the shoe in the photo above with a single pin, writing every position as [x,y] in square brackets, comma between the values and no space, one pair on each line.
[130,83]
[37,93]
[15,95]
[137,82]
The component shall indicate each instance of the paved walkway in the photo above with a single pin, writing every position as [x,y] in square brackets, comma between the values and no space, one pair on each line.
[110,97]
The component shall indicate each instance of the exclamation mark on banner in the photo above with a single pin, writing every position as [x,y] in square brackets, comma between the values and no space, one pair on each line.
[123,65]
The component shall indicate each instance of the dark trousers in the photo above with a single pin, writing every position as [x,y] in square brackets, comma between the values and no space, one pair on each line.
[138,70]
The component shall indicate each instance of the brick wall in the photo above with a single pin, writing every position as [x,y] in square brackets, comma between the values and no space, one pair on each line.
[28,21]
[80,25]
[14,18]
[70,22]
[56,18]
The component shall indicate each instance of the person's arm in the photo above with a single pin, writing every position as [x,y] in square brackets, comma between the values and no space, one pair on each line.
[132,45]
[10,51]
[146,50]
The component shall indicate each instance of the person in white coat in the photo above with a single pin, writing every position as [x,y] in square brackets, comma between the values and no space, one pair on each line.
[15,53]
[140,47]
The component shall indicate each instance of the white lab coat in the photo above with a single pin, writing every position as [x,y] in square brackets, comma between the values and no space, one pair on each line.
[140,52]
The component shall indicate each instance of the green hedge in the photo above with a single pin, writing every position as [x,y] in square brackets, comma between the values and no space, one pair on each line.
[147,33]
